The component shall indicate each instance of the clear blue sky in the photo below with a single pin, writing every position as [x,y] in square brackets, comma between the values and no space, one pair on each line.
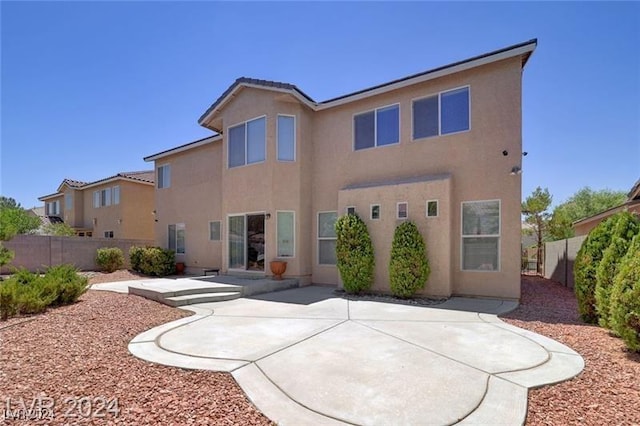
[90,88]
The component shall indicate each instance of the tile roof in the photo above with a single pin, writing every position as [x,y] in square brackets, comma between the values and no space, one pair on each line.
[144,176]
[73,183]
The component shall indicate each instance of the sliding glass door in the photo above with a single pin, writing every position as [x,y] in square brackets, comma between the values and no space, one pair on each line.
[246,242]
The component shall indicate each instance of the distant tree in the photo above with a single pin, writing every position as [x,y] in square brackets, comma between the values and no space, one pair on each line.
[58,230]
[8,203]
[534,208]
[14,221]
[584,203]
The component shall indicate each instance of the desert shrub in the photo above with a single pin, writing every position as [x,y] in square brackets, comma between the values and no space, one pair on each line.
[354,254]
[135,257]
[6,255]
[65,283]
[626,227]
[408,267]
[8,300]
[625,298]
[153,260]
[585,266]
[27,293]
[110,259]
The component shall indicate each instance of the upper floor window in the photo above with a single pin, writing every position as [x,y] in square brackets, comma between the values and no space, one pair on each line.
[116,194]
[286,138]
[247,142]
[377,128]
[164,176]
[52,208]
[441,114]
[68,201]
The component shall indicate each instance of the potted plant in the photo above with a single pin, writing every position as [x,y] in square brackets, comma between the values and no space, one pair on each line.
[180,268]
[278,267]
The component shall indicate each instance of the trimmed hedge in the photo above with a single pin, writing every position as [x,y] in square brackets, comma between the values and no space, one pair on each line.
[354,253]
[627,226]
[585,266]
[408,267]
[625,298]
[152,260]
[28,293]
[110,259]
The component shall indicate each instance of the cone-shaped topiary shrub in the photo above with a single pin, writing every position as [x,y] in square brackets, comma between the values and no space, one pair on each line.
[354,253]
[627,226]
[584,268]
[625,298]
[409,267]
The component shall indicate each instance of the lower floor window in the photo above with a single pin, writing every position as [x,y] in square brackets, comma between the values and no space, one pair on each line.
[481,235]
[176,238]
[327,238]
[285,229]
[108,234]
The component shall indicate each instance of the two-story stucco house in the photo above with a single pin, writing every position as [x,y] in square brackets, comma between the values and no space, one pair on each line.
[442,148]
[119,206]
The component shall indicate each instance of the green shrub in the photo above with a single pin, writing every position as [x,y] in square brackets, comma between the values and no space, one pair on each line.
[135,257]
[6,255]
[354,254]
[110,259]
[585,266]
[8,300]
[625,298]
[24,277]
[65,284]
[409,267]
[153,260]
[30,298]
[626,227]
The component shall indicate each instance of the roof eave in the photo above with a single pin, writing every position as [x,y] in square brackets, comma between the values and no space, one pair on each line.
[50,196]
[182,148]
[115,179]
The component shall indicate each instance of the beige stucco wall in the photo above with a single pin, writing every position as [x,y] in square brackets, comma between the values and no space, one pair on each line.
[193,198]
[130,219]
[584,228]
[473,158]
[436,231]
[204,188]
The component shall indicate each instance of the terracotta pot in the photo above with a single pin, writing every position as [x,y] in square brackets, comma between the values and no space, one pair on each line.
[179,268]
[278,267]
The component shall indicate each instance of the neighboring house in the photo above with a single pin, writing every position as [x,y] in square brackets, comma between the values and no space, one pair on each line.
[120,206]
[584,226]
[442,148]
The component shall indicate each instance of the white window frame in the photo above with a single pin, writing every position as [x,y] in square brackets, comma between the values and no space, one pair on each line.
[219,230]
[295,141]
[439,96]
[426,212]
[375,127]
[319,238]
[463,236]
[178,226]
[371,206]
[166,182]
[105,197]
[52,208]
[115,200]
[398,210]
[294,234]
[105,233]
[96,199]
[246,141]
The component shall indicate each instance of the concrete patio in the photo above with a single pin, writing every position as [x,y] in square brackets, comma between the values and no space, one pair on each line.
[307,356]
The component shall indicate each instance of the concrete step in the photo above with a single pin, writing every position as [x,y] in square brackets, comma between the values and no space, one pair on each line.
[191,299]
[180,288]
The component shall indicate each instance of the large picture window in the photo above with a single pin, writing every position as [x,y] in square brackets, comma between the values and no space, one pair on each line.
[481,235]
[377,128]
[247,142]
[327,238]
[441,114]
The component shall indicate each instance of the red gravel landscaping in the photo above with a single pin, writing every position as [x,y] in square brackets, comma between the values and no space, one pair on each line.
[81,351]
[608,389]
